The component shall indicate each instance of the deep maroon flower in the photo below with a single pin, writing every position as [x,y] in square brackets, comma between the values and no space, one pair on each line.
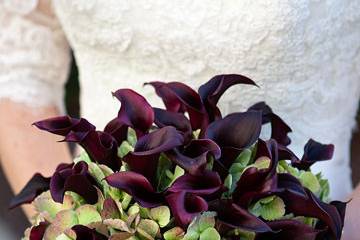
[117,129]
[233,216]
[165,118]
[144,159]
[193,158]
[237,130]
[211,91]
[85,233]
[313,152]
[289,229]
[279,129]
[137,186]
[37,232]
[185,206]
[135,111]
[206,184]
[179,97]
[64,124]
[331,215]
[100,146]
[74,178]
[36,185]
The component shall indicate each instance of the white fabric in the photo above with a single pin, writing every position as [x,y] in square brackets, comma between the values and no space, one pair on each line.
[305,55]
[34,55]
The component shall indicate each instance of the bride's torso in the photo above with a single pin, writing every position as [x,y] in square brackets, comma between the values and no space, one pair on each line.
[303,54]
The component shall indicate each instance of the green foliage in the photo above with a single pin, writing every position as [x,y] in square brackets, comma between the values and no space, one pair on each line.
[269,208]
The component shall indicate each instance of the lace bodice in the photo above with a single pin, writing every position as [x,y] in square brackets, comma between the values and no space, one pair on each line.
[305,56]
[33,53]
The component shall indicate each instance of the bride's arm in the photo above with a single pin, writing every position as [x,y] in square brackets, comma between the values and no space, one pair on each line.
[34,60]
[25,150]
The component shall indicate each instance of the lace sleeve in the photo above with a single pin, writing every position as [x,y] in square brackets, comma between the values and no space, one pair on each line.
[34,55]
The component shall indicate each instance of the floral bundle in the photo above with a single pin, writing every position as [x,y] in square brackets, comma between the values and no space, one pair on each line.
[183,173]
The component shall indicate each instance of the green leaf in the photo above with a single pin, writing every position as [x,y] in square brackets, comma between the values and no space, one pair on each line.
[309,181]
[210,234]
[131,137]
[164,165]
[149,226]
[88,214]
[269,208]
[244,157]
[175,233]
[161,215]
[124,148]
[83,156]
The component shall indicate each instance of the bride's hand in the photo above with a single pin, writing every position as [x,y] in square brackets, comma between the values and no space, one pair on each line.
[24,149]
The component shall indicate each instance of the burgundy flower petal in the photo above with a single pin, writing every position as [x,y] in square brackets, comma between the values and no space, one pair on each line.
[101,147]
[195,155]
[238,130]
[185,206]
[233,216]
[289,229]
[311,206]
[144,159]
[158,141]
[64,124]
[117,130]
[178,96]
[206,184]
[313,152]
[279,129]
[137,186]
[211,91]
[165,118]
[85,233]
[135,111]
[75,179]
[36,185]
[37,232]
[257,183]
[170,99]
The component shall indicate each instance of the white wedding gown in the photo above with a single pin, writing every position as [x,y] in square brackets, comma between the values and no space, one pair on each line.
[304,54]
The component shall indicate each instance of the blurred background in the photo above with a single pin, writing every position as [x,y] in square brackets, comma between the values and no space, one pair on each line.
[13,222]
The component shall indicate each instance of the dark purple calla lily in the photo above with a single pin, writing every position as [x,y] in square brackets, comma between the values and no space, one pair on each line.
[289,229]
[37,232]
[144,159]
[165,118]
[279,129]
[185,206]
[36,185]
[233,216]
[171,101]
[117,129]
[179,97]
[257,183]
[85,233]
[138,187]
[64,124]
[237,130]
[211,91]
[74,178]
[101,147]
[193,158]
[313,152]
[330,215]
[135,111]
[206,184]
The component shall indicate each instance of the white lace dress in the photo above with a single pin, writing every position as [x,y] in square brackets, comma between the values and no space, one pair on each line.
[304,54]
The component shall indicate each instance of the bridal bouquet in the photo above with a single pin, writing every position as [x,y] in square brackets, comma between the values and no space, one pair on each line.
[183,173]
